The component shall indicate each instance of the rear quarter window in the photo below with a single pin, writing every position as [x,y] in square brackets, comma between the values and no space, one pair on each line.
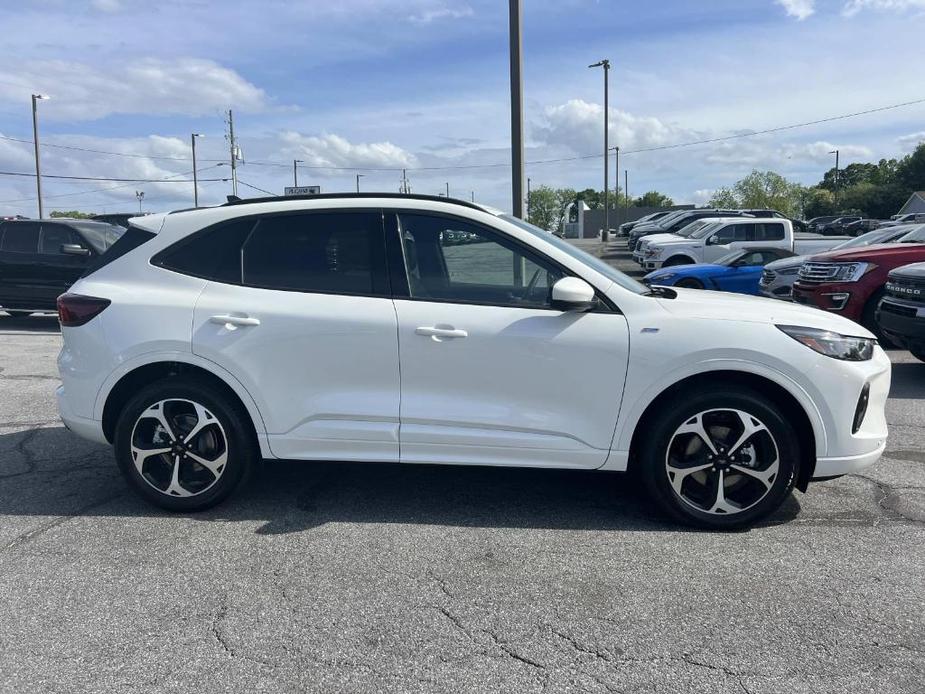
[129,241]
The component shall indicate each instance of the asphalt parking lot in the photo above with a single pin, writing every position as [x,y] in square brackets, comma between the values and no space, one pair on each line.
[381,578]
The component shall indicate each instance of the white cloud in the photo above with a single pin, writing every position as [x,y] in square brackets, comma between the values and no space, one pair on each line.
[182,86]
[801,9]
[909,142]
[336,151]
[822,151]
[852,7]
[432,14]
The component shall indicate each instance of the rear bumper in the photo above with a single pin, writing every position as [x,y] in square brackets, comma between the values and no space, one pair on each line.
[91,429]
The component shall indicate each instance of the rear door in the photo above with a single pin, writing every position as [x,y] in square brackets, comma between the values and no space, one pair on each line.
[22,277]
[299,310]
[61,269]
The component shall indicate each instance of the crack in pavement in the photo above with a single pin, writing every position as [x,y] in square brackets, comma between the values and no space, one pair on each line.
[219,635]
[31,535]
[889,496]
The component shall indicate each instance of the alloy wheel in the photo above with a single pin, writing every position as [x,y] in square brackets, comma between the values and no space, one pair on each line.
[722,461]
[179,447]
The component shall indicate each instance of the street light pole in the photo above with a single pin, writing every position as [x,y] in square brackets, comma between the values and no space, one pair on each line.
[359,176]
[447,189]
[295,171]
[517,111]
[835,152]
[195,175]
[606,65]
[35,139]
[626,187]
[140,194]
[528,198]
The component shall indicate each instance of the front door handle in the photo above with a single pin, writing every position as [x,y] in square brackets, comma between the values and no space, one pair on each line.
[439,333]
[236,321]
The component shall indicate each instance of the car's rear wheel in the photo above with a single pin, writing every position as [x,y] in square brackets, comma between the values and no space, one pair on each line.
[723,459]
[183,446]
[690,283]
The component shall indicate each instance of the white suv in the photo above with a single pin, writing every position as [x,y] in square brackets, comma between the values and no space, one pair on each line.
[424,330]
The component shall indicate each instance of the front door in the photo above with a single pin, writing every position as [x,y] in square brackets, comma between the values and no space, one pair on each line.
[305,321]
[490,372]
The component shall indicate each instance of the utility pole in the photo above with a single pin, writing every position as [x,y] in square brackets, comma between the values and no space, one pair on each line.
[835,152]
[447,189]
[626,187]
[616,151]
[517,111]
[35,138]
[472,194]
[405,187]
[195,176]
[295,171]
[359,176]
[606,65]
[528,198]
[234,154]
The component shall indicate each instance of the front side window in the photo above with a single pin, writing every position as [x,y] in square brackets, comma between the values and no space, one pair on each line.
[54,236]
[330,253]
[21,237]
[449,259]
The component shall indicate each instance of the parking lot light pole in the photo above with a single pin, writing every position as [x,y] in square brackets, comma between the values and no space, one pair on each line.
[835,152]
[604,63]
[35,138]
[359,176]
[517,111]
[295,171]
[195,176]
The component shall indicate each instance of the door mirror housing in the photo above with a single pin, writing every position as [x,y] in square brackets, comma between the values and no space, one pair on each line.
[573,294]
[74,249]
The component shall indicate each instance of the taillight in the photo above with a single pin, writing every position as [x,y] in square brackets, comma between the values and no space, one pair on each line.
[76,309]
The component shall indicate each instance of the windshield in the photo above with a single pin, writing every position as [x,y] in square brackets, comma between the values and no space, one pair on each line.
[915,236]
[871,237]
[704,231]
[98,234]
[597,264]
[669,218]
[691,228]
[730,258]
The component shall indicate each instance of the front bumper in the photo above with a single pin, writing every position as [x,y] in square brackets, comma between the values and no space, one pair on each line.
[833,467]
[91,429]
[903,322]
[838,298]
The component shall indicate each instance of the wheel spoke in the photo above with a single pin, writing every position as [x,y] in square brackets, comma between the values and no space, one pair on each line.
[750,427]
[720,503]
[214,466]
[695,426]
[766,477]
[156,411]
[140,455]
[203,419]
[677,475]
[175,488]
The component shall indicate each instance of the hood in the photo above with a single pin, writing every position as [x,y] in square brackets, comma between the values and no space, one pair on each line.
[881,252]
[710,305]
[672,240]
[658,238]
[787,263]
[686,271]
[915,271]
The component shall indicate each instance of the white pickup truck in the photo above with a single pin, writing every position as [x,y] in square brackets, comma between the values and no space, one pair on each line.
[713,241]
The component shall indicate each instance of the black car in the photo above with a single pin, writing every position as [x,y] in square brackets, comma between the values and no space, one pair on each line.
[838,225]
[41,258]
[118,218]
[862,226]
[901,312]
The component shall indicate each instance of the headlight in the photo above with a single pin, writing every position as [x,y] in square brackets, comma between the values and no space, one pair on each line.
[831,344]
[662,278]
[789,271]
[850,272]
[653,252]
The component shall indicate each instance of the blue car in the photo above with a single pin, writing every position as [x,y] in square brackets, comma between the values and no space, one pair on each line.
[738,272]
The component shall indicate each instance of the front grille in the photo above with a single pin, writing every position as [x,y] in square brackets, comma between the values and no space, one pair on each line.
[908,290]
[898,309]
[767,277]
[817,273]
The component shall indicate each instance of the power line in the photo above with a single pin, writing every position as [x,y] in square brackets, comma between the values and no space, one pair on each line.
[256,188]
[537,162]
[113,180]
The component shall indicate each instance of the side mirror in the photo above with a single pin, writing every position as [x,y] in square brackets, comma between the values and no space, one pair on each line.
[74,249]
[572,294]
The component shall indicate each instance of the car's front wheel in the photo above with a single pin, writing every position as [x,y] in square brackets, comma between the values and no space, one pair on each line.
[183,446]
[723,459]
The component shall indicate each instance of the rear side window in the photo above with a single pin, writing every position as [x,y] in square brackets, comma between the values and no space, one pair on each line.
[21,237]
[767,232]
[329,253]
[129,241]
[213,254]
[54,236]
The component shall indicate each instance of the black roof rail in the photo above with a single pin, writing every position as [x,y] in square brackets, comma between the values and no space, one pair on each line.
[356,196]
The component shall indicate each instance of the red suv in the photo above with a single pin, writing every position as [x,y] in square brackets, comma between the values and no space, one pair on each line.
[850,282]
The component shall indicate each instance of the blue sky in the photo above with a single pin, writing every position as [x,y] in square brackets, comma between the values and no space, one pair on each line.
[370,86]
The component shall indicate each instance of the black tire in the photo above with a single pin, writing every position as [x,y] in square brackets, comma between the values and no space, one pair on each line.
[689,283]
[677,260]
[918,353]
[869,318]
[231,423]
[661,432]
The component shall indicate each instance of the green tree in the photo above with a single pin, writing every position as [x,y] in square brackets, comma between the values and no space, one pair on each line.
[544,208]
[73,214]
[765,189]
[816,202]
[653,199]
[723,197]
[910,172]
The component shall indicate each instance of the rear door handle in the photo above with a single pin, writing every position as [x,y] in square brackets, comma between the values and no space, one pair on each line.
[237,321]
[439,333]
